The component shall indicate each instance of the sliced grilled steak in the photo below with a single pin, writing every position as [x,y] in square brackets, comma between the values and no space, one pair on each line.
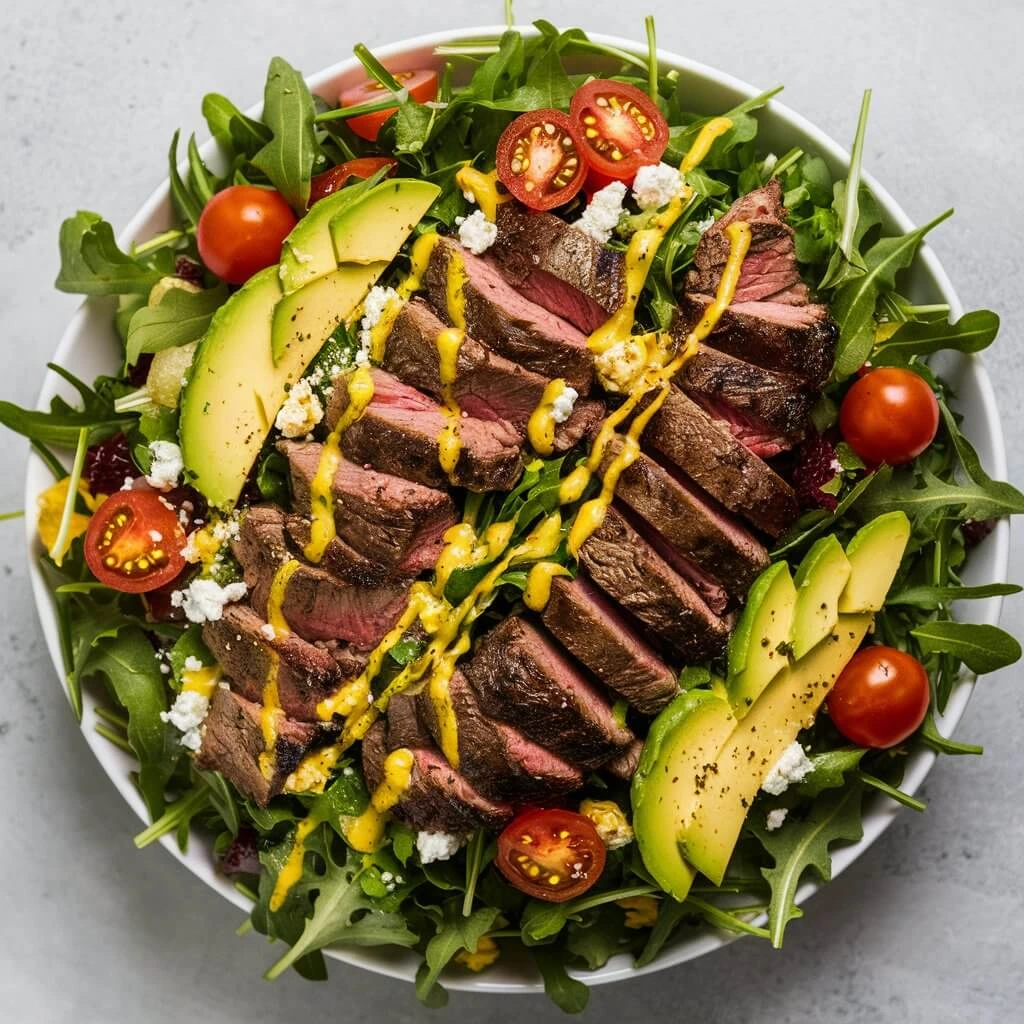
[625,765]
[338,558]
[387,519]
[610,643]
[510,324]
[439,799]
[233,742]
[627,568]
[701,532]
[705,450]
[487,386]
[399,431]
[317,605]
[406,727]
[559,267]
[306,673]
[523,678]
[498,759]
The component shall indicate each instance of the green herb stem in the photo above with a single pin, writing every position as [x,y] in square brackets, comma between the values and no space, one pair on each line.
[169,821]
[725,918]
[61,543]
[53,464]
[159,241]
[852,208]
[18,513]
[133,401]
[344,113]
[652,58]
[897,794]
[376,70]
[113,737]
[112,717]
[510,18]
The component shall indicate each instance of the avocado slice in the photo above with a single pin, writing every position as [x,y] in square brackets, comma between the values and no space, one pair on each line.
[788,705]
[875,553]
[683,738]
[399,206]
[758,646]
[819,581]
[305,319]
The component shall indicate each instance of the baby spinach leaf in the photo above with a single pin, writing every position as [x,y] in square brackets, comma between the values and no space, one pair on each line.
[178,318]
[981,647]
[92,264]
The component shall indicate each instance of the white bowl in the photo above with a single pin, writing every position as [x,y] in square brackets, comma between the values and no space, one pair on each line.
[89,347]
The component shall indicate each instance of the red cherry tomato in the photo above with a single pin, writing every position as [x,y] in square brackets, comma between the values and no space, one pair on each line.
[421,86]
[241,229]
[880,698]
[551,854]
[890,415]
[338,177]
[540,159]
[134,542]
[622,128]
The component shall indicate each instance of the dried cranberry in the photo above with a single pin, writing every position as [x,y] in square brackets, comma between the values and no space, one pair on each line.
[976,530]
[107,464]
[242,856]
[139,373]
[188,500]
[816,465]
[158,602]
[188,270]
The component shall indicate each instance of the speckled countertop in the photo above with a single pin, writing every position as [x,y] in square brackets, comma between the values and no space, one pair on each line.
[928,926]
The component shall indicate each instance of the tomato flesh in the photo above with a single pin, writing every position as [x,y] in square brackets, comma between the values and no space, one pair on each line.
[421,86]
[539,159]
[338,177]
[551,854]
[889,415]
[134,542]
[880,698]
[241,229]
[622,128]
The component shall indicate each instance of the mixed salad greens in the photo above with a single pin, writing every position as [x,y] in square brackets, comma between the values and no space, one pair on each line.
[463,909]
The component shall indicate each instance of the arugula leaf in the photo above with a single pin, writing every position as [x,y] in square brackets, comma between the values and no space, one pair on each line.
[235,132]
[187,206]
[933,738]
[92,264]
[829,770]
[543,921]
[288,158]
[568,994]
[545,83]
[178,318]
[670,915]
[971,501]
[973,332]
[982,648]
[597,938]
[928,598]
[455,932]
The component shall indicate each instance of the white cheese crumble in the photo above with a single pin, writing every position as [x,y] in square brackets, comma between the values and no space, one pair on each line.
[193,664]
[707,222]
[374,305]
[187,714]
[602,214]
[301,412]
[656,185]
[267,631]
[791,768]
[563,405]
[619,365]
[776,818]
[476,232]
[167,465]
[434,846]
[203,600]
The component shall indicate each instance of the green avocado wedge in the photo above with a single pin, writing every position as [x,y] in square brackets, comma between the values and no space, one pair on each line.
[683,739]
[397,206]
[875,553]
[820,579]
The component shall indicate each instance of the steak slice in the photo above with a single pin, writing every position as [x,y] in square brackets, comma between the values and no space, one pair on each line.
[487,386]
[399,434]
[406,727]
[559,267]
[795,339]
[705,450]
[608,642]
[628,568]
[498,759]
[625,765]
[316,605]
[233,741]
[388,520]
[508,322]
[707,537]
[439,799]
[306,673]
[524,679]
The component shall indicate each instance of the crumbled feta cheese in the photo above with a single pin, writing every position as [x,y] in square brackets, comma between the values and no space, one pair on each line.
[268,632]
[374,305]
[193,664]
[129,483]
[791,768]
[703,225]
[203,600]
[563,405]
[469,195]
[602,214]
[776,818]
[301,411]
[610,821]
[187,714]
[437,846]
[619,365]
[166,467]
[656,185]
[476,232]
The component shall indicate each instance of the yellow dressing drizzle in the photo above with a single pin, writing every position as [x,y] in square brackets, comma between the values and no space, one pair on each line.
[200,680]
[291,871]
[441,701]
[449,442]
[365,832]
[321,500]
[484,188]
[313,771]
[696,154]
[540,429]
[271,712]
[538,584]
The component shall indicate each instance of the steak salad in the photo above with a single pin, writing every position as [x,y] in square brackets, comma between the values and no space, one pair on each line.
[525,512]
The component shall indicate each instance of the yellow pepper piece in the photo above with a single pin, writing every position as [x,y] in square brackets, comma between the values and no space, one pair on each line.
[641,911]
[51,509]
[484,955]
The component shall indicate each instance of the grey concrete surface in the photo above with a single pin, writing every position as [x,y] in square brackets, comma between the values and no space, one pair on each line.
[927,926]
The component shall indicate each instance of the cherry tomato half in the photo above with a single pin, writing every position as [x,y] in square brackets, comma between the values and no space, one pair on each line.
[880,698]
[551,854]
[134,542]
[622,128]
[421,86]
[540,159]
[338,177]
[241,229]
[890,415]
